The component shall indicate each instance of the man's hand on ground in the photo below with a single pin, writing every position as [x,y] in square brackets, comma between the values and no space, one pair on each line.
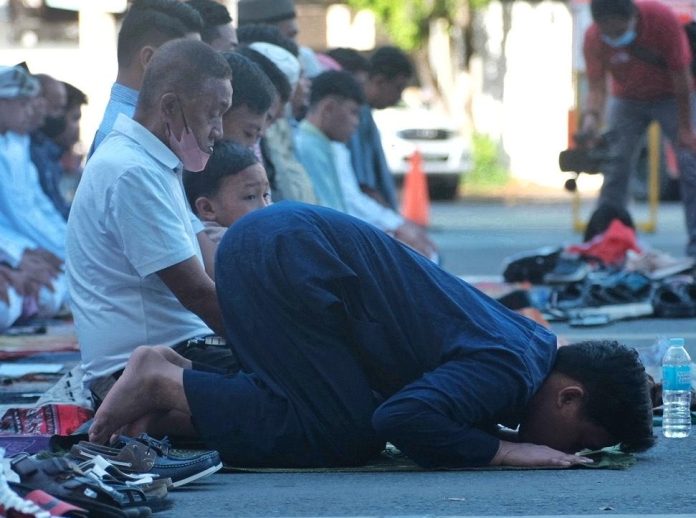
[415,237]
[534,455]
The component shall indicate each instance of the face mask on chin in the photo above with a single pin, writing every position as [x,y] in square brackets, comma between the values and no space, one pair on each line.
[187,148]
[624,40]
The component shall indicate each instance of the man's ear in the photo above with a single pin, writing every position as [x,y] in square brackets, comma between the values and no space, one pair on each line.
[329,104]
[204,209]
[168,104]
[145,55]
[379,80]
[570,396]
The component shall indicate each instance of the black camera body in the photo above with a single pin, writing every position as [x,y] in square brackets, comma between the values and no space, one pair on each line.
[589,157]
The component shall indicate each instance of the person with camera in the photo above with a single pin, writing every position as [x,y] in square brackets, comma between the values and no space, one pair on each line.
[643,48]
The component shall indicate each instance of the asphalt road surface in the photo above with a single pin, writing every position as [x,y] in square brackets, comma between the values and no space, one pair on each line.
[474,238]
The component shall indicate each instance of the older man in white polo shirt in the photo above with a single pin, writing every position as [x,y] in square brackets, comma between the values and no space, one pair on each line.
[135,262]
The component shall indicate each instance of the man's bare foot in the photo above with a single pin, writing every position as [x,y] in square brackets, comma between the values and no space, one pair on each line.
[138,393]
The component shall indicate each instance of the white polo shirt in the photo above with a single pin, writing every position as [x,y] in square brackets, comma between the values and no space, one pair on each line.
[128,221]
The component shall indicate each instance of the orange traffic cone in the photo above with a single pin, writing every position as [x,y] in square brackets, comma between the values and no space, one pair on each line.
[416,200]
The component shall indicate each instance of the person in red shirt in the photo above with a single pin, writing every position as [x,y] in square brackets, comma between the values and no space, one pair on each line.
[643,48]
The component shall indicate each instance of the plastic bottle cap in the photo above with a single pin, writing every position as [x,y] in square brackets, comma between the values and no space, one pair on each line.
[676,342]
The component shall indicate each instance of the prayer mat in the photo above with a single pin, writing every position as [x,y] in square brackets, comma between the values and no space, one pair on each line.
[392,460]
[57,338]
[44,420]
[31,444]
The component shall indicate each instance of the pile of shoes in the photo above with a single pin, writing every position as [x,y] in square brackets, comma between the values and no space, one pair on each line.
[586,291]
[129,478]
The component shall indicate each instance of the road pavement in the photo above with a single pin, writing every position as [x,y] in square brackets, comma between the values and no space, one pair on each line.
[474,238]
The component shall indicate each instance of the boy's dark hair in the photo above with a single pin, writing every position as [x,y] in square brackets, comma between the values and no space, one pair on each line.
[251,87]
[154,22]
[76,97]
[248,34]
[228,158]
[603,9]
[336,83]
[617,389]
[390,62]
[181,66]
[213,14]
[274,74]
[349,59]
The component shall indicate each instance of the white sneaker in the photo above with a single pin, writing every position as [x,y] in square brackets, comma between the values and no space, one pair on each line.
[656,264]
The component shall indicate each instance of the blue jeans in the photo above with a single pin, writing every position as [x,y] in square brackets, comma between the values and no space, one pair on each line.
[629,120]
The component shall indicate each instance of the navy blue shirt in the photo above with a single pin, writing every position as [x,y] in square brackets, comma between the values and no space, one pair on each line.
[446,362]
[46,155]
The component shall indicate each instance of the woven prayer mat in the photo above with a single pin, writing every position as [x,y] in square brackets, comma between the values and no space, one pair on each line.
[391,460]
[59,336]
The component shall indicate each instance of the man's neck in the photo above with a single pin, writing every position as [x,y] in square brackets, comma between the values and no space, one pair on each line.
[315,120]
[129,78]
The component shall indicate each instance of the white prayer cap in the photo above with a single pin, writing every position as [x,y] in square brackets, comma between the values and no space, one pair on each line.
[17,82]
[284,60]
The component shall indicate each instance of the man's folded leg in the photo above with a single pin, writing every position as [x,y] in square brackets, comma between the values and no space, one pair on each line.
[250,425]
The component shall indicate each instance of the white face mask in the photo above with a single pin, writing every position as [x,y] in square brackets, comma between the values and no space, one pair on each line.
[625,39]
[187,148]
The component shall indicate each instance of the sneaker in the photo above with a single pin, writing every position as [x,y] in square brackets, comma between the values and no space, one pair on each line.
[147,455]
[656,264]
[567,269]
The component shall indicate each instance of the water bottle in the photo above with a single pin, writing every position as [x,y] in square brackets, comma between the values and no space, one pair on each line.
[676,391]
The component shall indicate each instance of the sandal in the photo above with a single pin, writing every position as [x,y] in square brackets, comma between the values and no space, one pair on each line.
[155,489]
[64,480]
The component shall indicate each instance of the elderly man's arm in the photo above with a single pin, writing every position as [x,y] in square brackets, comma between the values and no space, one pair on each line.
[190,283]
[208,250]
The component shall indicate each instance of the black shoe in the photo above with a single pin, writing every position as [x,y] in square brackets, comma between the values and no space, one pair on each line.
[531,265]
[675,300]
